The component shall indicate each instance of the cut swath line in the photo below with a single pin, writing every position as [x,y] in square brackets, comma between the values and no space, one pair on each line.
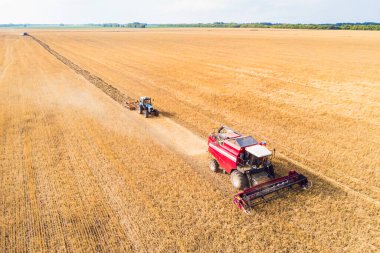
[193,142]
[108,89]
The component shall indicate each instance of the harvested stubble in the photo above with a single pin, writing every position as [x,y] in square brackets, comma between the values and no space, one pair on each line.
[82,173]
[312,94]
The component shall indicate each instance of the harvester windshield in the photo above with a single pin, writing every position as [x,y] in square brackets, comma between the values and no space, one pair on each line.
[246,141]
[243,142]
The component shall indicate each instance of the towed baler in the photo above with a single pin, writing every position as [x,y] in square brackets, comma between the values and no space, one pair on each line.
[248,162]
[131,105]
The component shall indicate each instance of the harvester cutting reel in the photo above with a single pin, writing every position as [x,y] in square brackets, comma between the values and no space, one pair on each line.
[262,193]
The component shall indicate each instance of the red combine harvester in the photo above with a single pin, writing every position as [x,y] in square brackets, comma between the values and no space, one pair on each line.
[248,162]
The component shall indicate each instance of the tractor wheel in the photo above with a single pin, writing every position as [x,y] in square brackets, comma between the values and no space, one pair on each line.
[146,114]
[140,109]
[214,166]
[239,180]
[156,113]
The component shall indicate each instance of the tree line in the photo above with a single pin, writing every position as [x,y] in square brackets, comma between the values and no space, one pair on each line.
[337,26]
[129,25]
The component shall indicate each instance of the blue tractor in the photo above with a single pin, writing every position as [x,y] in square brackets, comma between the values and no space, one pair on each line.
[146,107]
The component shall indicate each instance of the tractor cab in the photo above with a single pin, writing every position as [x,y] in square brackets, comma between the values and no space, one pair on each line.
[146,107]
[145,100]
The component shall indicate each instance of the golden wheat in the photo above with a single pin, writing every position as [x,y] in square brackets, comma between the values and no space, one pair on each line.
[81,173]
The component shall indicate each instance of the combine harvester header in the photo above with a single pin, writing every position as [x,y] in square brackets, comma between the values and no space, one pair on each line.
[248,162]
[256,195]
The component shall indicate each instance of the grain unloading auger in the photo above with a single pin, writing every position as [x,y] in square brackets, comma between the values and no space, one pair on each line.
[248,161]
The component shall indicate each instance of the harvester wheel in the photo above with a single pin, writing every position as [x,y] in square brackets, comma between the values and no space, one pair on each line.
[140,109]
[307,186]
[271,174]
[239,180]
[146,114]
[214,166]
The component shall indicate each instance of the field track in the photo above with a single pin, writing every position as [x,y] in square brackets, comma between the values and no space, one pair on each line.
[83,173]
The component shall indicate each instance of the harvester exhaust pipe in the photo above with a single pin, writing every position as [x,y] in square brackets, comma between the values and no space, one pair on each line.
[258,194]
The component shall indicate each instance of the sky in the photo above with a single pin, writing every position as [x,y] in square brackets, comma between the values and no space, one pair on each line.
[188,11]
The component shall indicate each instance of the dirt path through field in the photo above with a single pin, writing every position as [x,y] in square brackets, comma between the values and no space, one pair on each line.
[166,130]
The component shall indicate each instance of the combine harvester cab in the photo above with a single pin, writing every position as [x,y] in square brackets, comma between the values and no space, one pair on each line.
[248,162]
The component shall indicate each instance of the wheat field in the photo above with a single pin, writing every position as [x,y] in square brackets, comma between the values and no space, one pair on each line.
[79,172]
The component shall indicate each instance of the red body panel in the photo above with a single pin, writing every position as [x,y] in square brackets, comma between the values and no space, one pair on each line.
[226,155]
